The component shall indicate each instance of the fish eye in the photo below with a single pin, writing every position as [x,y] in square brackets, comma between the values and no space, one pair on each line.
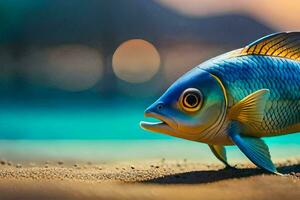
[191,100]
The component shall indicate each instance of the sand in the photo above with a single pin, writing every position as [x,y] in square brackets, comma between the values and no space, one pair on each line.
[160,179]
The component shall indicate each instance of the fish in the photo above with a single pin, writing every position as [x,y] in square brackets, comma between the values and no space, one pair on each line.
[236,98]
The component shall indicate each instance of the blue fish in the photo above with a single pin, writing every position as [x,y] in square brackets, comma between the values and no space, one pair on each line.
[236,99]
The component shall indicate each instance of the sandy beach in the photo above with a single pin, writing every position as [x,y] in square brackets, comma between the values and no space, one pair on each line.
[159,179]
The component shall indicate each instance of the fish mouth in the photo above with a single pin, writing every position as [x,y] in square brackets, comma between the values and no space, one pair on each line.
[163,126]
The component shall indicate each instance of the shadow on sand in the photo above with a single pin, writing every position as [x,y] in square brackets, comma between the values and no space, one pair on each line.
[198,177]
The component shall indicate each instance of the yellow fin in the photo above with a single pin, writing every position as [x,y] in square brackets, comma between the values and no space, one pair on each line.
[250,110]
[283,44]
[220,153]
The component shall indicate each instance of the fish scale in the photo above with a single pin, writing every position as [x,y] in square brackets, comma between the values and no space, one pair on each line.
[244,75]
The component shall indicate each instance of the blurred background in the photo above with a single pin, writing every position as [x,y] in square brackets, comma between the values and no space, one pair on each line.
[87,69]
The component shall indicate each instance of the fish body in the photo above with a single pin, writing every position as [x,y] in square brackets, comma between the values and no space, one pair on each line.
[241,76]
[236,99]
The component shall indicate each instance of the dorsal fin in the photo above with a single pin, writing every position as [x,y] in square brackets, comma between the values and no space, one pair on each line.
[284,45]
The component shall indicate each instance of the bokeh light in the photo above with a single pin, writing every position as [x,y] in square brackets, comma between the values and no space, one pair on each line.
[282,15]
[136,61]
[68,67]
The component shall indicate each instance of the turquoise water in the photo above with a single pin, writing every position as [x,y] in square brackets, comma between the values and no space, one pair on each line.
[102,120]
[102,132]
[77,121]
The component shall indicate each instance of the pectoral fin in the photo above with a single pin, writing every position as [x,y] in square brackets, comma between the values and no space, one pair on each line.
[250,110]
[220,152]
[254,148]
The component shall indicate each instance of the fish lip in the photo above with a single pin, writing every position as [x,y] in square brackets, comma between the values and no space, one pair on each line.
[165,125]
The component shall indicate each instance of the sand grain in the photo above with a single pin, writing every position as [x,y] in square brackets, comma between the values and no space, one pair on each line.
[147,180]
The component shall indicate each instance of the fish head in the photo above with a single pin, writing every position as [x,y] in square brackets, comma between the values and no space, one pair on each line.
[189,107]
